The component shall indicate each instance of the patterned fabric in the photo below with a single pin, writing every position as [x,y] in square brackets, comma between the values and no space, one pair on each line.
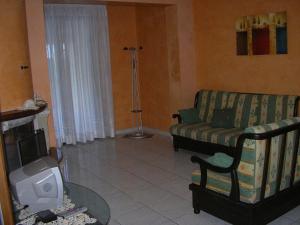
[246,109]
[250,170]
[209,100]
[204,132]
[251,109]
[273,108]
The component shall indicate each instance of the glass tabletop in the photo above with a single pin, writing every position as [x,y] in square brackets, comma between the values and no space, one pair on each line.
[83,196]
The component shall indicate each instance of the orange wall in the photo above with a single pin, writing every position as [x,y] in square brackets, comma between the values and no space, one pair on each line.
[37,50]
[132,26]
[122,32]
[218,65]
[15,84]
[153,67]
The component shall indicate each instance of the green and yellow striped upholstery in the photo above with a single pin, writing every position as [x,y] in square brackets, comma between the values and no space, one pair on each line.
[250,170]
[246,109]
[204,132]
[251,109]
[273,108]
[208,100]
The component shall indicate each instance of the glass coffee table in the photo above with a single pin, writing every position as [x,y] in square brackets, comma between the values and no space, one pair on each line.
[82,196]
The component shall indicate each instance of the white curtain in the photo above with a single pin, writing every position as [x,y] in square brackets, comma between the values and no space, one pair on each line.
[80,74]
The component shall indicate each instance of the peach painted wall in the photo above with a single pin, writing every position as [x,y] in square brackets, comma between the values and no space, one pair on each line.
[15,84]
[187,52]
[122,32]
[218,65]
[153,67]
[37,51]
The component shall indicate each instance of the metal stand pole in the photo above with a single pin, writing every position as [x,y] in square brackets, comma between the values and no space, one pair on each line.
[136,103]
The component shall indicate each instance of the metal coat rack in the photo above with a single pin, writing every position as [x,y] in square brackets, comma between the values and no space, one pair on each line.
[136,110]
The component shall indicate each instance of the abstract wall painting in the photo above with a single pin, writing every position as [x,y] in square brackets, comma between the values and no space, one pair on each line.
[262,34]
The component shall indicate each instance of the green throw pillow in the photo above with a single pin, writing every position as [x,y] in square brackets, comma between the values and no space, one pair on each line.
[189,115]
[221,160]
[223,118]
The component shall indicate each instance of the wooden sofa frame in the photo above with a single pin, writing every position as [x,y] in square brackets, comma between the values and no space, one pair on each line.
[230,208]
[207,147]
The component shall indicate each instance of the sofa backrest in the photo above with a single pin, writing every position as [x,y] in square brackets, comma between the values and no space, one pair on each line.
[207,101]
[273,108]
[251,109]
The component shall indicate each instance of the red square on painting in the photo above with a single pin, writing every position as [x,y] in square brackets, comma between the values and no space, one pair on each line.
[261,41]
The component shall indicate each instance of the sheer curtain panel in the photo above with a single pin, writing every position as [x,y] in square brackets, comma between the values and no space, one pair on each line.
[80,74]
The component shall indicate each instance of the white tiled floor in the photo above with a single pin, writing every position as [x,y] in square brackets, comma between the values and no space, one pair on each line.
[144,181]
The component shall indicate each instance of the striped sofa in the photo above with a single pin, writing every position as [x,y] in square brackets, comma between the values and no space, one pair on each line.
[250,110]
[254,177]
[250,169]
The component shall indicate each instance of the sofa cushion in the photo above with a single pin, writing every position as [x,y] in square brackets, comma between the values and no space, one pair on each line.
[208,100]
[246,106]
[223,118]
[204,132]
[189,115]
[251,109]
[188,130]
[273,108]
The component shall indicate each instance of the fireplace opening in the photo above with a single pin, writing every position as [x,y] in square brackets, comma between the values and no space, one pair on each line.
[23,145]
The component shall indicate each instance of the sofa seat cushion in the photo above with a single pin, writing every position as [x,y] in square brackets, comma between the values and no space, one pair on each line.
[221,183]
[204,132]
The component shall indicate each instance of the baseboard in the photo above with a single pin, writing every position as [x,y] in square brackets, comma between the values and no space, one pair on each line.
[157,131]
[146,129]
[125,131]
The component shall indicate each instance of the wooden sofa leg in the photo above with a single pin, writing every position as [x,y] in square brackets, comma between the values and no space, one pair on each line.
[196,204]
[196,210]
[175,147]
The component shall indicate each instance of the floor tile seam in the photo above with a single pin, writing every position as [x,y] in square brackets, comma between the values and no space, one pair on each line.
[137,208]
[125,170]
[102,180]
[153,165]
[163,169]
[292,219]
[77,164]
[137,201]
[139,177]
[108,181]
[123,192]
[152,209]
[146,162]
[157,186]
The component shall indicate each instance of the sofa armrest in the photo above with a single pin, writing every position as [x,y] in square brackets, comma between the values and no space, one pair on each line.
[205,165]
[210,166]
[178,117]
[190,115]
